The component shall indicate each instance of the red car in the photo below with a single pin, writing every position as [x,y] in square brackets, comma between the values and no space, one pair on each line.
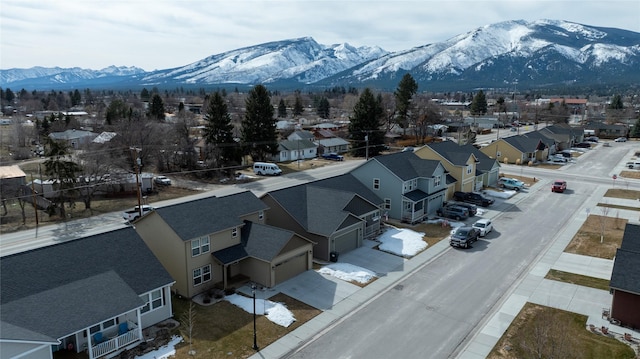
[558,186]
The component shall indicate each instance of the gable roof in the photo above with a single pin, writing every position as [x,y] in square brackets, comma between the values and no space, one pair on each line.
[67,287]
[319,210]
[347,182]
[626,267]
[263,241]
[524,144]
[452,152]
[407,165]
[293,145]
[484,163]
[209,215]
[548,141]
[301,134]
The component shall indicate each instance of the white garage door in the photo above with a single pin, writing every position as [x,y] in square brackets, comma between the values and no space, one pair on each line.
[346,242]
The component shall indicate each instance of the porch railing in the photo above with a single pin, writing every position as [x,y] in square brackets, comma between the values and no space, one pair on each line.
[117,342]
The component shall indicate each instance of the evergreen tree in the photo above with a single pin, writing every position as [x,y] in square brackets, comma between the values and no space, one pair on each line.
[76,98]
[9,95]
[323,109]
[144,94]
[218,133]
[60,167]
[365,126]
[259,127]
[403,94]
[479,104]
[282,109]
[298,109]
[635,132]
[616,103]
[156,109]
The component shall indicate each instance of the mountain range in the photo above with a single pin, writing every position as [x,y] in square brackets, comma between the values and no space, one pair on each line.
[538,54]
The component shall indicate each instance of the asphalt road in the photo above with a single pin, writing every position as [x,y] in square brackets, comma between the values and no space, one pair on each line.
[435,310]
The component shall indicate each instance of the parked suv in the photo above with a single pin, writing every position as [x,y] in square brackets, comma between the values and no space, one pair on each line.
[472,208]
[472,197]
[510,183]
[558,186]
[464,236]
[456,212]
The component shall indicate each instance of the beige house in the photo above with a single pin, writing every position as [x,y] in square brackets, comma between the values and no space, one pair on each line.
[517,150]
[220,241]
[458,161]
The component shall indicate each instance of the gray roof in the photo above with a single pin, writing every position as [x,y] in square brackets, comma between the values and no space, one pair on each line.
[57,290]
[416,195]
[539,135]
[209,215]
[231,254]
[264,242]
[335,141]
[626,267]
[452,152]
[407,165]
[320,210]
[524,144]
[72,134]
[485,163]
[295,145]
[347,182]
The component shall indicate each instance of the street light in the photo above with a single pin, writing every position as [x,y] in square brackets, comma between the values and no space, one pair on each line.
[255,339]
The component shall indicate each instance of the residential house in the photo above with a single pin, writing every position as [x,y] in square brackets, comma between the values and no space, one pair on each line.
[487,168]
[214,241]
[459,161]
[328,212]
[332,145]
[604,130]
[12,180]
[549,143]
[74,138]
[517,150]
[564,136]
[625,279]
[412,187]
[94,293]
[293,150]
[301,135]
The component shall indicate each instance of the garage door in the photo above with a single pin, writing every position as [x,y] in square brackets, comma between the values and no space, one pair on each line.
[346,242]
[291,267]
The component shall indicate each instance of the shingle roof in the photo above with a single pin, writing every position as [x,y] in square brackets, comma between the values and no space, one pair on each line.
[318,209]
[452,152]
[407,165]
[296,144]
[264,242]
[209,215]
[523,143]
[347,182]
[60,289]
[626,267]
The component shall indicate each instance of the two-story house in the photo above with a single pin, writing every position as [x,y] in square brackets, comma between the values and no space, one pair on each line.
[207,242]
[92,294]
[459,161]
[412,187]
[331,213]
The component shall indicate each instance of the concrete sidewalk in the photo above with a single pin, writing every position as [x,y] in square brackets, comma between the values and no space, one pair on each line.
[570,297]
[531,288]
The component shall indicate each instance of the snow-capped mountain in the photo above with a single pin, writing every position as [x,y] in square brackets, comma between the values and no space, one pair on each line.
[539,53]
[530,54]
[303,60]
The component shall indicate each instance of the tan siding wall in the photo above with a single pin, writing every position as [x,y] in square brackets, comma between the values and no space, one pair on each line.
[168,248]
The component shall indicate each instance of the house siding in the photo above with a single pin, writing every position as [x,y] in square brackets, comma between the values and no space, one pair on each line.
[625,308]
[168,248]
[17,350]
[390,185]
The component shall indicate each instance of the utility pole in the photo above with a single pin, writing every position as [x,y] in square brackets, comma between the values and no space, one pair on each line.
[137,164]
[366,149]
[35,202]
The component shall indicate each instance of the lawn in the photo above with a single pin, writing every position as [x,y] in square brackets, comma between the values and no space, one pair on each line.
[223,330]
[588,241]
[578,279]
[543,332]
[623,193]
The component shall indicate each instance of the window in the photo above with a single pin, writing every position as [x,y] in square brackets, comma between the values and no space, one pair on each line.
[469,169]
[234,232]
[387,203]
[199,246]
[376,183]
[261,215]
[201,275]
[410,185]
[153,300]
[436,181]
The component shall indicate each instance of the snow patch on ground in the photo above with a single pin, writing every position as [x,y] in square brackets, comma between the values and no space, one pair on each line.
[275,312]
[348,272]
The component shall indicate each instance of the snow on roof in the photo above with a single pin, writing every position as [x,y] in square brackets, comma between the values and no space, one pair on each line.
[104,137]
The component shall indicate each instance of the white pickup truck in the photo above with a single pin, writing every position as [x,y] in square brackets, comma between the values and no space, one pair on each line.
[134,214]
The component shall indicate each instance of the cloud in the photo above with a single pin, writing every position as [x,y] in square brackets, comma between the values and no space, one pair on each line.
[158,34]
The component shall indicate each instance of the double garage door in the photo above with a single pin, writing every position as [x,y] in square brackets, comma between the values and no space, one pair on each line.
[291,267]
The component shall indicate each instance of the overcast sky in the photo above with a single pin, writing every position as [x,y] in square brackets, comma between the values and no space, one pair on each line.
[161,34]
